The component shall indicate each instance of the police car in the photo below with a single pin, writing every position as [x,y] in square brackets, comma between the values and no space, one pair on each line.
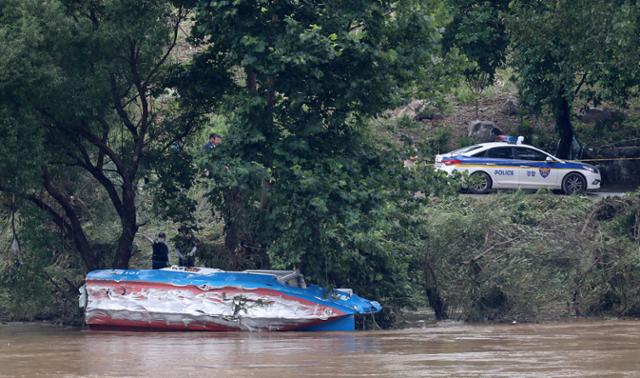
[511,164]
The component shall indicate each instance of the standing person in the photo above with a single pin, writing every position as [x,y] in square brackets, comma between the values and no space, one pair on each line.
[186,248]
[214,141]
[160,251]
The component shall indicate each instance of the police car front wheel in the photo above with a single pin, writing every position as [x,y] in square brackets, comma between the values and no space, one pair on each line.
[480,183]
[574,183]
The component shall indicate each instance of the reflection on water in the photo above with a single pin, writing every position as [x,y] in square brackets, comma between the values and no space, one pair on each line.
[578,349]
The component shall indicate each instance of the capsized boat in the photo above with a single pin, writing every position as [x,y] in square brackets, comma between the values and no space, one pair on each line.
[206,299]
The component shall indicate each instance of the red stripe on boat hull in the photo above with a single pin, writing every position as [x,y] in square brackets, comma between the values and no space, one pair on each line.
[106,323]
[137,286]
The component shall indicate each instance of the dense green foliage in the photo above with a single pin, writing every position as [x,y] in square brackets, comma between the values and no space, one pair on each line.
[105,107]
[82,105]
[478,30]
[561,50]
[302,180]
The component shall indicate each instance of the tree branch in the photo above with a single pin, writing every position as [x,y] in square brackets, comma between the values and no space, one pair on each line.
[186,131]
[124,117]
[141,87]
[83,130]
[57,218]
[60,198]
[105,136]
[75,226]
[99,175]
[489,249]
[582,81]
[102,145]
[180,16]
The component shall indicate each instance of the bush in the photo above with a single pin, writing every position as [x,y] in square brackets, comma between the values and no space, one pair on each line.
[526,257]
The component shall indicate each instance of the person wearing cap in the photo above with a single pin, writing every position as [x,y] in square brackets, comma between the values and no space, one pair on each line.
[160,251]
[214,141]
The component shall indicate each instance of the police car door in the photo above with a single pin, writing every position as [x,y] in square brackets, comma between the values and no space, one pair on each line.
[534,171]
[499,162]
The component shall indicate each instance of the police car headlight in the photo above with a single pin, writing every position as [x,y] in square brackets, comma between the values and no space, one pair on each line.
[591,169]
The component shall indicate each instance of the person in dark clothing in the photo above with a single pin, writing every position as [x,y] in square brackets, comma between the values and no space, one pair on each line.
[214,141]
[160,252]
[185,244]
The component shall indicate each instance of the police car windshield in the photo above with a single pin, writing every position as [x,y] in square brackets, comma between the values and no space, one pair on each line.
[465,150]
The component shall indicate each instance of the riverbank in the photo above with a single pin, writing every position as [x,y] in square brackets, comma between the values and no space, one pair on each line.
[425,318]
[516,256]
[522,257]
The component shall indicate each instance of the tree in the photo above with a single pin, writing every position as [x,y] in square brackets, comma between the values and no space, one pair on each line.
[82,101]
[562,50]
[478,30]
[301,180]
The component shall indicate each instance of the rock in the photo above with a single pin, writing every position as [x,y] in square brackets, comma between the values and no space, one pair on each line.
[410,110]
[510,107]
[483,131]
[601,116]
[418,110]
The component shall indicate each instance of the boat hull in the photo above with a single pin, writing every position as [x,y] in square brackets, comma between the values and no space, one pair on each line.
[218,302]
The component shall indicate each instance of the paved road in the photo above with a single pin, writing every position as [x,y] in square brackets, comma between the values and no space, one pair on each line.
[594,195]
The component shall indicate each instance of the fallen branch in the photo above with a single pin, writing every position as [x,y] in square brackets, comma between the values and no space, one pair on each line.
[489,249]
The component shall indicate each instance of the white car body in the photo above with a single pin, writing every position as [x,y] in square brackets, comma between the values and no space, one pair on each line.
[512,166]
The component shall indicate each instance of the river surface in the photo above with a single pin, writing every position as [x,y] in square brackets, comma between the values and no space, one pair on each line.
[575,349]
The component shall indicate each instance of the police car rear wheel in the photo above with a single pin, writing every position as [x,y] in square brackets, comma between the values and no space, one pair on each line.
[480,183]
[574,183]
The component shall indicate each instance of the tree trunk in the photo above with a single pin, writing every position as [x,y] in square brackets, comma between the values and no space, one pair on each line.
[15,243]
[433,294]
[129,226]
[233,207]
[231,243]
[125,243]
[562,114]
[84,247]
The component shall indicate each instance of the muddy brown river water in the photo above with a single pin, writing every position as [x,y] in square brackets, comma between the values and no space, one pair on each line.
[575,349]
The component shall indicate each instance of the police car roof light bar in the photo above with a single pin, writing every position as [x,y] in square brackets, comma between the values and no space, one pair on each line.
[511,139]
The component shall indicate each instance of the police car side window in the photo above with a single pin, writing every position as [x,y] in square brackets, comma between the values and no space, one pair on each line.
[522,153]
[499,153]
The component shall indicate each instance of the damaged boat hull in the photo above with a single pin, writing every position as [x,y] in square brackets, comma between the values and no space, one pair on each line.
[202,299]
